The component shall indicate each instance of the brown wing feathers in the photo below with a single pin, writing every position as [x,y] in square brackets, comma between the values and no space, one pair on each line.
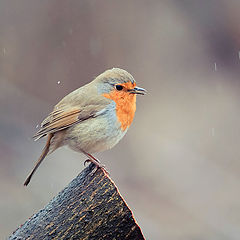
[58,120]
[61,119]
[71,111]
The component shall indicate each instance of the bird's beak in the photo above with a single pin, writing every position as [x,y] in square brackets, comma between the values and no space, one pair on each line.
[138,90]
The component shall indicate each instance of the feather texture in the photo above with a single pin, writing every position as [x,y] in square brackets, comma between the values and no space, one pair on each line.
[73,109]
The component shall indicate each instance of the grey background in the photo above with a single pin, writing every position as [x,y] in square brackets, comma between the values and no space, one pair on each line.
[178,166]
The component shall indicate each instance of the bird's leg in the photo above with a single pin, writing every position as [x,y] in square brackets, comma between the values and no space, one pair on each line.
[95,161]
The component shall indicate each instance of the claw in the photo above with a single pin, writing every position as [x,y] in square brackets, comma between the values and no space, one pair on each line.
[101,166]
[96,162]
[86,161]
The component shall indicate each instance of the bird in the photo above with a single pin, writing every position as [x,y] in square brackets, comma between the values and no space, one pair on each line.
[92,118]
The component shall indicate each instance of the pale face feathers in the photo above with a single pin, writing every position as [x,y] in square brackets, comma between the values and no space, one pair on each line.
[107,81]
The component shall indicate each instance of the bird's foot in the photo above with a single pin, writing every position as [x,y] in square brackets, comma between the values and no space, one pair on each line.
[97,165]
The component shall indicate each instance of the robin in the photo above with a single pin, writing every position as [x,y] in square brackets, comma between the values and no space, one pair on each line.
[93,118]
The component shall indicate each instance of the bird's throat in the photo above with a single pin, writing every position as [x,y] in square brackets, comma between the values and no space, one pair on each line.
[125,106]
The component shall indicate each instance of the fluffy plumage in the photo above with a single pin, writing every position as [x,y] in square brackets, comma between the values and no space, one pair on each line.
[93,118]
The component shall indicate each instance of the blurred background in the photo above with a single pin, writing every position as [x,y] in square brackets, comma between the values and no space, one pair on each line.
[178,166]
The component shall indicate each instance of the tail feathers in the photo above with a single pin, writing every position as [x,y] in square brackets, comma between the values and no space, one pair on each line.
[43,155]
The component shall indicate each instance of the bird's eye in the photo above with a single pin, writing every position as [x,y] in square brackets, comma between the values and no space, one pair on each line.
[119,87]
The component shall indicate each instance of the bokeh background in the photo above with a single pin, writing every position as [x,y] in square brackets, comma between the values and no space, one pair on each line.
[178,167]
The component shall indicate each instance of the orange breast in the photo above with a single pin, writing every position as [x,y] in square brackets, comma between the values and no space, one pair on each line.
[125,106]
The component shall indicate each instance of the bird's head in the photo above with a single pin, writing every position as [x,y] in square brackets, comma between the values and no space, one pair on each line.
[120,86]
[118,82]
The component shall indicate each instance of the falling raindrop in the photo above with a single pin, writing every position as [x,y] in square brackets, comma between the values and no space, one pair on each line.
[239,54]
[4,51]
[213,132]
[37,126]
[58,82]
[215,66]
